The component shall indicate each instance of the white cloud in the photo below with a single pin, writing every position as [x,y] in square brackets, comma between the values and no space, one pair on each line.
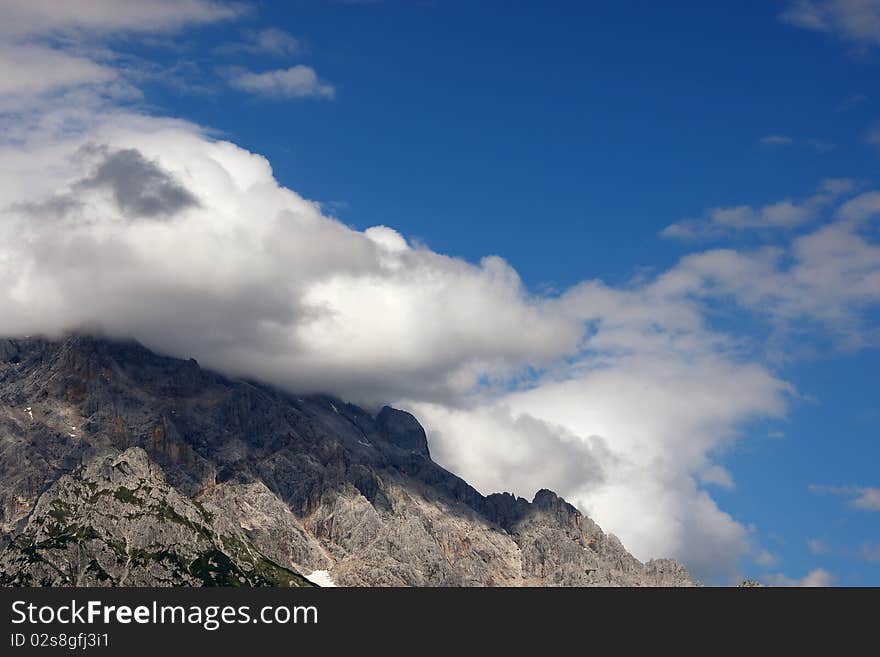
[617,398]
[815,578]
[776,140]
[864,498]
[835,187]
[857,21]
[498,449]
[864,206]
[718,476]
[35,62]
[868,499]
[871,552]
[269,41]
[818,546]
[35,70]
[655,398]
[622,399]
[327,307]
[28,17]
[295,82]
[781,215]
[821,284]
[766,559]
[276,42]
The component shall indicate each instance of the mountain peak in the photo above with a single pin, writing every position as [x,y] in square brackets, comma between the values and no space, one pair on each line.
[304,483]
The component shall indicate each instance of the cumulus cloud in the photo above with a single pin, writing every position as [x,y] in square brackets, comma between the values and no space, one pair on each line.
[857,21]
[352,311]
[623,399]
[718,476]
[512,450]
[766,559]
[661,393]
[298,81]
[35,69]
[270,41]
[815,578]
[863,498]
[49,47]
[781,215]
[617,398]
[140,187]
[28,17]
[864,206]
[823,283]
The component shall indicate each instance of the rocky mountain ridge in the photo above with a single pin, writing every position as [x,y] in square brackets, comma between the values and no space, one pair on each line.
[122,467]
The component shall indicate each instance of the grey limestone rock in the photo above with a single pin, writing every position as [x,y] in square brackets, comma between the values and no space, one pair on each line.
[121,466]
[115,521]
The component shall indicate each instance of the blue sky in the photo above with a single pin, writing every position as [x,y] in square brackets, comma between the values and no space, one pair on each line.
[597,122]
[565,137]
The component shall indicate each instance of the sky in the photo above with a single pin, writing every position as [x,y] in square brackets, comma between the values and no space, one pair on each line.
[626,251]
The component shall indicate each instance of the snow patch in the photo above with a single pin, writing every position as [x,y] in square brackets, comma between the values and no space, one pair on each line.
[321,578]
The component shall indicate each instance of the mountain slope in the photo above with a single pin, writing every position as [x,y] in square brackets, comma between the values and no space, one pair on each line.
[269,481]
[117,522]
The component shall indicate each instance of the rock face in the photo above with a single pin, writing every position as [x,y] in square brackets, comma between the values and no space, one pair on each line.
[122,467]
[115,521]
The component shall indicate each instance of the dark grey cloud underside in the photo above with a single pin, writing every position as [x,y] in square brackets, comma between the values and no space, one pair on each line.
[141,188]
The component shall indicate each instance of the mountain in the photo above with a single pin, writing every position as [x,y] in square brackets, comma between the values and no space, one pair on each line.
[119,466]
